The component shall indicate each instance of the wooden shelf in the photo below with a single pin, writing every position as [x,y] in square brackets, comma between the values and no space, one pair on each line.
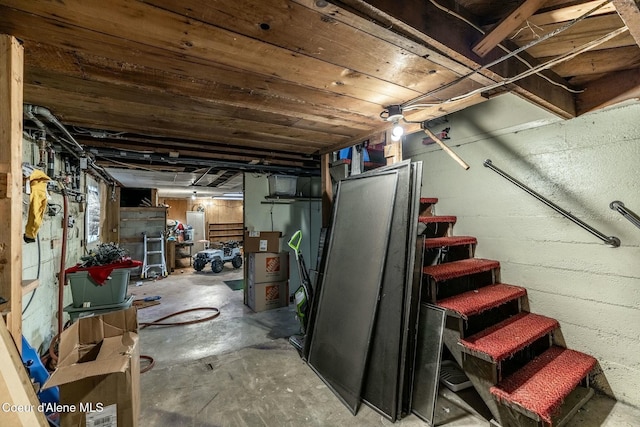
[226,231]
[288,199]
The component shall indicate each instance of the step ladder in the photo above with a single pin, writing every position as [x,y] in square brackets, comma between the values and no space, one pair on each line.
[146,266]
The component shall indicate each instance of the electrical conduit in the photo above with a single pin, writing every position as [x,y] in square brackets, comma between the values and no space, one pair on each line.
[63,255]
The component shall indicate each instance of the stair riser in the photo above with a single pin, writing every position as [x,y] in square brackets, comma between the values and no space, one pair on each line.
[487,318]
[458,285]
[482,386]
[427,209]
[484,374]
[437,229]
[509,417]
[515,417]
[433,256]
[492,372]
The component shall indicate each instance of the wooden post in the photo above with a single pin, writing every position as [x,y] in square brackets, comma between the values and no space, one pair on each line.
[446,149]
[111,225]
[16,388]
[392,150]
[327,190]
[11,83]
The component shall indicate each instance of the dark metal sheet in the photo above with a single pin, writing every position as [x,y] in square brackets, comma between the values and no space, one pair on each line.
[380,390]
[428,359]
[411,296]
[322,261]
[352,275]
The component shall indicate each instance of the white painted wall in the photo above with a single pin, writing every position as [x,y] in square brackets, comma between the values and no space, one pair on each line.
[582,165]
[288,218]
[40,312]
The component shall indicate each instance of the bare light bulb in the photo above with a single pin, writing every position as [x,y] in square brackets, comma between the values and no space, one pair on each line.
[193,196]
[397,131]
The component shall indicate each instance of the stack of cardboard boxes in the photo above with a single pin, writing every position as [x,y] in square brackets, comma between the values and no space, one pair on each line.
[267,271]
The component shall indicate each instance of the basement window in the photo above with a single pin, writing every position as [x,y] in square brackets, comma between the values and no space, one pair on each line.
[93,214]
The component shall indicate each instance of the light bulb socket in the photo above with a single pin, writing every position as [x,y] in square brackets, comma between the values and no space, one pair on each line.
[394,113]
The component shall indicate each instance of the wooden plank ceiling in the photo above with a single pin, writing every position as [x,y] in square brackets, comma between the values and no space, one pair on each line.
[275,83]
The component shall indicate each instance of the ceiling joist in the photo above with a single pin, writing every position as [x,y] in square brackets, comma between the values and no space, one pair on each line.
[451,33]
[508,25]
[629,11]
[609,90]
[279,82]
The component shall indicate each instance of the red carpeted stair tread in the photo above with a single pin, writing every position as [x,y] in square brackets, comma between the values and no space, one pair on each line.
[436,218]
[451,270]
[429,200]
[542,385]
[479,300]
[507,337]
[438,242]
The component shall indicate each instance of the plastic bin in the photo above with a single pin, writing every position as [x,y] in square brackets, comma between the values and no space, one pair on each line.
[85,290]
[97,310]
[282,185]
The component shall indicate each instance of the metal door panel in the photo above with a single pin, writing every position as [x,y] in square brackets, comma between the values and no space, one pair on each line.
[380,390]
[427,363]
[351,279]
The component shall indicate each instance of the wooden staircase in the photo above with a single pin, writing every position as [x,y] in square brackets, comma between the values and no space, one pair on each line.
[516,360]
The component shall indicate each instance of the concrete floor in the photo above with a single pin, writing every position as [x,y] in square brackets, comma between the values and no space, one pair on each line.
[239,369]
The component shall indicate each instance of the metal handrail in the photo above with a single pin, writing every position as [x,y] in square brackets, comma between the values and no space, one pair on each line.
[609,240]
[617,205]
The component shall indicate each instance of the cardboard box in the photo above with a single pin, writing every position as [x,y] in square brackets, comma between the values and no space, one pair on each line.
[99,371]
[269,295]
[261,241]
[268,267]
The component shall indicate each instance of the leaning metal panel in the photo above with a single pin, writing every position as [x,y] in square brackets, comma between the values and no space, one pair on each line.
[412,295]
[428,359]
[351,280]
[380,389]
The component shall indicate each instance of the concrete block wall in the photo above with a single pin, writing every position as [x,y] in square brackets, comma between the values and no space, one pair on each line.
[40,306]
[582,165]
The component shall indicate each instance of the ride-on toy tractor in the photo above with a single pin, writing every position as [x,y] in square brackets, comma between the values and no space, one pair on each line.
[229,251]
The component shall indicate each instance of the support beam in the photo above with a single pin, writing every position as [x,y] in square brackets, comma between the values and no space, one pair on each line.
[16,387]
[553,14]
[629,11]
[610,89]
[440,29]
[327,189]
[509,24]
[11,83]
[393,152]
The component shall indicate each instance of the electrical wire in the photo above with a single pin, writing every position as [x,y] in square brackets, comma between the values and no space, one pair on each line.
[96,133]
[24,310]
[524,61]
[503,58]
[271,214]
[129,165]
[557,60]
